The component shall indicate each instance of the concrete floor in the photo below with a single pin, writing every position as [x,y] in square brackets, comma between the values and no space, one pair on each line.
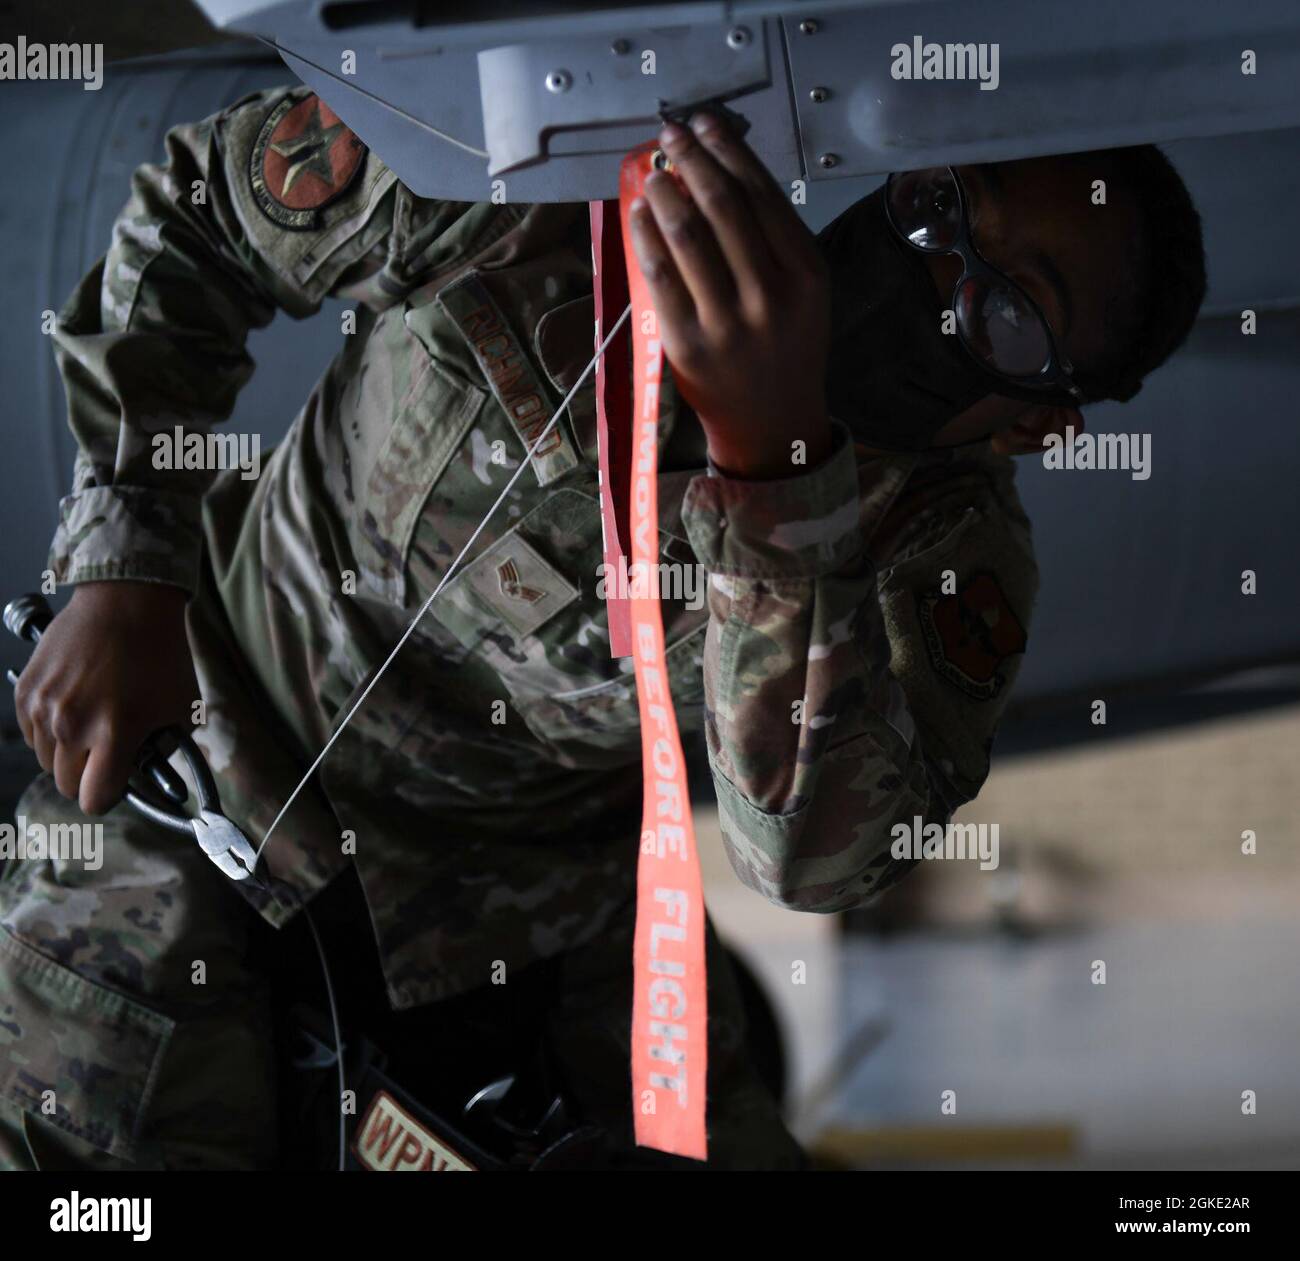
[1127,854]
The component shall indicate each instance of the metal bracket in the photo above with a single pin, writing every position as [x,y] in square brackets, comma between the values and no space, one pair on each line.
[595,95]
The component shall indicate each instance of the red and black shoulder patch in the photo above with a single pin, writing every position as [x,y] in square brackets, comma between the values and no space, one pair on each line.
[305,157]
[971,633]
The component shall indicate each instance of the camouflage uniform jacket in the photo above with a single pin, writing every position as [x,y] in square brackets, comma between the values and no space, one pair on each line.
[863,618]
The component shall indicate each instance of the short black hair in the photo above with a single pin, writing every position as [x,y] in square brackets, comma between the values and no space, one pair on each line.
[1151,314]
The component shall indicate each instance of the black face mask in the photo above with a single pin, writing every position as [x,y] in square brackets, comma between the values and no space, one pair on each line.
[894,377]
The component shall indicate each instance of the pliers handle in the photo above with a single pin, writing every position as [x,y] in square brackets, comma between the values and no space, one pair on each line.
[27,616]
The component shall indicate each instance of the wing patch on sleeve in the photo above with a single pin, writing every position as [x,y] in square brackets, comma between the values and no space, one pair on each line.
[305,157]
[970,634]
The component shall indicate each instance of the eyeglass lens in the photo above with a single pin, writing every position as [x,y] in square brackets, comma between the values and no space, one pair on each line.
[998,322]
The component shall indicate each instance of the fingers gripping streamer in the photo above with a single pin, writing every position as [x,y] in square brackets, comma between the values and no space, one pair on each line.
[669,1004]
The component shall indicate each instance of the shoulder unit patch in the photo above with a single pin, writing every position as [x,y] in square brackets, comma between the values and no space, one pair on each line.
[970,634]
[304,158]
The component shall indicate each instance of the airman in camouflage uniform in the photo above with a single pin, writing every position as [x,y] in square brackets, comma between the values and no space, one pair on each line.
[481,831]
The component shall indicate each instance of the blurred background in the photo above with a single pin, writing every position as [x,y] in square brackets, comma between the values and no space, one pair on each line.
[1121,844]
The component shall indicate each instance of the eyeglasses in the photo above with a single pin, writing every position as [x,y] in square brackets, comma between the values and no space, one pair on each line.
[997,321]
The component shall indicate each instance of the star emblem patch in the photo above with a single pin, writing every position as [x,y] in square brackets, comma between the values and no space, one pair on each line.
[304,158]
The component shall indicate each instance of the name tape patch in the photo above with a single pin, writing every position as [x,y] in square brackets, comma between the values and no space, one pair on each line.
[511,375]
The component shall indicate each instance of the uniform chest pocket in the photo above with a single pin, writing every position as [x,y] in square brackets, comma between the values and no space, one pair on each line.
[430,409]
[529,607]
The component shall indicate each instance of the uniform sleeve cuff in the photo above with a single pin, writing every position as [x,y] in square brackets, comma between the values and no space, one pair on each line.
[798,527]
[127,532]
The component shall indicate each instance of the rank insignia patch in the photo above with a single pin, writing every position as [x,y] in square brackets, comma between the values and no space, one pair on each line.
[970,634]
[517,583]
[508,574]
[305,157]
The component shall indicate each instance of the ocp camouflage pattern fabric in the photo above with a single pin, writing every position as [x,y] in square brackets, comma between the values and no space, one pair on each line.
[863,623]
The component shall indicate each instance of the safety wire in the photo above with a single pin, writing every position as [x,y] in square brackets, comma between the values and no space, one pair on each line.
[464,551]
[280,888]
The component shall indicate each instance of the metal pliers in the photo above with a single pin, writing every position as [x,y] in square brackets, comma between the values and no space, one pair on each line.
[27,616]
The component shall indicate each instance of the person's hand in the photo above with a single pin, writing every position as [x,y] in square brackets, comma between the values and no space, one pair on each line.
[111,669]
[1028,436]
[743,300]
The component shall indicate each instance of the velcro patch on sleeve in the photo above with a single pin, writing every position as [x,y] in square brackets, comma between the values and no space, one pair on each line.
[305,157]
[970,633]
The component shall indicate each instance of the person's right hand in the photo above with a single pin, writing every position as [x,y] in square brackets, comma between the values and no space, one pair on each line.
[110,670]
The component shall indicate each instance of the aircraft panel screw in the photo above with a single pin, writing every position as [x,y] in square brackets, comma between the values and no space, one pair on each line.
[828,160]
[818,95]
[619,47]
[738,37]
[809,26]
[559,81]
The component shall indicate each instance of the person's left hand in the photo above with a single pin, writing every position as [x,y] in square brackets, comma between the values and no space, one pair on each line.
[743,299]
